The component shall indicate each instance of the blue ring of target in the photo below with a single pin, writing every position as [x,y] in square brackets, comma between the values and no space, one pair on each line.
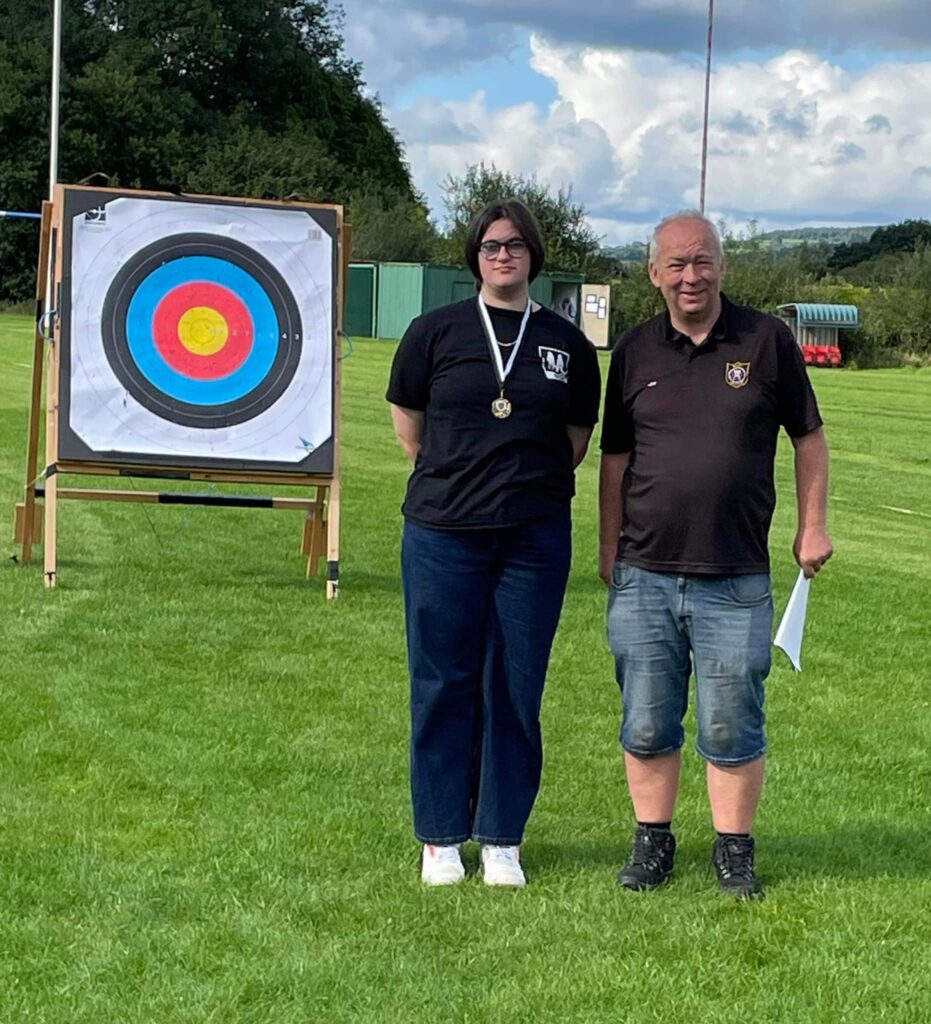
[179,251]
[141,315]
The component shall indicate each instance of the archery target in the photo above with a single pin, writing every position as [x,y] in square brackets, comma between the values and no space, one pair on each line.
[201,330]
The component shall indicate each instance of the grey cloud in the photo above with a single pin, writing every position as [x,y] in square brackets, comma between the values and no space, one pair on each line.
[922,172]
[878,123]
[844,153]
[795,124]
[430,121]
[679,27]
[741,124]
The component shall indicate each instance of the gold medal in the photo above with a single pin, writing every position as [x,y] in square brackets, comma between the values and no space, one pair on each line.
[501,407]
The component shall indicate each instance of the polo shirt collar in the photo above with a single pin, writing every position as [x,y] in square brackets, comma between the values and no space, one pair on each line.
[717,333]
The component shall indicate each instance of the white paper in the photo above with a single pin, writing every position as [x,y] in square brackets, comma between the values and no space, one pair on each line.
[792,627]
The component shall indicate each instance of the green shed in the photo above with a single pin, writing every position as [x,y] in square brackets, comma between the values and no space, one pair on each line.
[442,285]
[400,297]
[361,290]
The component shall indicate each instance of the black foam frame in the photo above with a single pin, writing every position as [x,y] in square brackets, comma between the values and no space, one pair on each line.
[71,448]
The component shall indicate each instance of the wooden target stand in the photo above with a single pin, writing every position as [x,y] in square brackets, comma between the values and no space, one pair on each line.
[36,517]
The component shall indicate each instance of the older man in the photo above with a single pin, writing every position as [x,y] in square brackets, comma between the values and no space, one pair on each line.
[695,399]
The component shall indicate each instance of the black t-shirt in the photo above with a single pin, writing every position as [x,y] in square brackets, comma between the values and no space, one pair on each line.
[701,424]
[474,470]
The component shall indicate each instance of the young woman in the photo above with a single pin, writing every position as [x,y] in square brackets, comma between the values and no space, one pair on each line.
[493,399]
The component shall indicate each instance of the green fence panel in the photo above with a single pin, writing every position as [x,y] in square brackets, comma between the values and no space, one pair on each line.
[359,319]
[400,297]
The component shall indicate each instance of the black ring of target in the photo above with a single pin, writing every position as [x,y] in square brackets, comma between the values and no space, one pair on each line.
[116,344]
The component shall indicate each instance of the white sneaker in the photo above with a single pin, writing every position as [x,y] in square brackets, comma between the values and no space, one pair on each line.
[441,865]
[501,866]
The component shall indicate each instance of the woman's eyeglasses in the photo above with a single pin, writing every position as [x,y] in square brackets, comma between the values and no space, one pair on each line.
[516,248]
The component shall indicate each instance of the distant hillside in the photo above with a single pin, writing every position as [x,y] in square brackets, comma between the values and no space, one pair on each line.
[636,252]
[820,236]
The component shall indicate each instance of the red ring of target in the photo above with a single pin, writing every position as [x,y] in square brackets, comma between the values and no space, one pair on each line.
[166,330]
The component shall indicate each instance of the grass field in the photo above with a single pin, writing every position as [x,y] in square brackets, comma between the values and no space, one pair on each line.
[203,796]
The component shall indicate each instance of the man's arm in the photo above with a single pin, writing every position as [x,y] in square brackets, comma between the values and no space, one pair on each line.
[813,546]
[610,510]
[579,436]
[408,428]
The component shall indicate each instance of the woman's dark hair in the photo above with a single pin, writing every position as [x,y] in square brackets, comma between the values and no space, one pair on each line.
[522,219]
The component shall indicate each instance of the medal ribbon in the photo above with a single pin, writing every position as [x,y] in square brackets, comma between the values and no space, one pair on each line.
[501,370]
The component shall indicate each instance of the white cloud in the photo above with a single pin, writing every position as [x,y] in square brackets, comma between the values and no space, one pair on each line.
[562,149]
[794,139]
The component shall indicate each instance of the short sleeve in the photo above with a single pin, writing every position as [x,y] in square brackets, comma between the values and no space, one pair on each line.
[617,429]
[798,407]
[409,383]
[584,387]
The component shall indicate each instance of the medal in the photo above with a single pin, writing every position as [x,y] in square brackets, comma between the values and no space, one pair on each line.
[501,407]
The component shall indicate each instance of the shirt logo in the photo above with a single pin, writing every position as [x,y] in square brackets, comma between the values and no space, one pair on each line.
[737,374]
[555,363]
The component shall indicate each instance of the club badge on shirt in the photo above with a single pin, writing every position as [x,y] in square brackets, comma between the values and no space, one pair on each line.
[736,375]
[555,363]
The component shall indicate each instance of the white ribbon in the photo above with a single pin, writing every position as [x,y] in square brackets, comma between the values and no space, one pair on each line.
[501,371]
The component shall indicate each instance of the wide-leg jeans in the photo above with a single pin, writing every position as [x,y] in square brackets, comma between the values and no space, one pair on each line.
[482,608]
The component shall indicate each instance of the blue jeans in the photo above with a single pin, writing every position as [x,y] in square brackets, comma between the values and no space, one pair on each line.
[657,624]
[482,608]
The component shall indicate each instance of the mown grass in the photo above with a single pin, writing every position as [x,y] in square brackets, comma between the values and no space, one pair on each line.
[203,795]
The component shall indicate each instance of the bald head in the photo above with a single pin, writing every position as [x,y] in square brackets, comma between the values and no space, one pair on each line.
[685,215]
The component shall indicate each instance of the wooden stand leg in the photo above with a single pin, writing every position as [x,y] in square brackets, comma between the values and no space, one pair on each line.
[313,541]
[51,526]
[332,523]
[51,470]
[35,404]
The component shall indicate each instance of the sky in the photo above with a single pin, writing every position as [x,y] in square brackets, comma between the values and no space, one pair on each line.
[820,112]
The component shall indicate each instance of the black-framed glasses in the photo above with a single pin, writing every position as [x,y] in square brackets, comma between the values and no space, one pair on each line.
[516,248]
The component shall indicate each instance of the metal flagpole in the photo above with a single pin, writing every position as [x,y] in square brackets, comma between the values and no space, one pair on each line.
[56,98]
[704,137]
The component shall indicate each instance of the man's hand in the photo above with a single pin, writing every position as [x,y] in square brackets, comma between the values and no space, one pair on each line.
[606,556]
[812,548]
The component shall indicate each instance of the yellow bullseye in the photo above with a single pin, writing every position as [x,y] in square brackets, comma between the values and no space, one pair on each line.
[203,331]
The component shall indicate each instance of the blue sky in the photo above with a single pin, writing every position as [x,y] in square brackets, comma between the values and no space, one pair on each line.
[820,114]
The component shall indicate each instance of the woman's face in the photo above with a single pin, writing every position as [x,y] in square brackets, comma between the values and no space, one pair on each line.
[504,270]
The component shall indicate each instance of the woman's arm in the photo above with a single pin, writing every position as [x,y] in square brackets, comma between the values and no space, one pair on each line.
[579,436]
[408,428]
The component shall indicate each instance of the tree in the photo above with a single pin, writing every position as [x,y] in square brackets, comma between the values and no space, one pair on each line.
[571,244]
[894,238]
[388,225]
[238,97]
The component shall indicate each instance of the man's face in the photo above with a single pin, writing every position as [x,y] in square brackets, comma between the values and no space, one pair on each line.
[688,269]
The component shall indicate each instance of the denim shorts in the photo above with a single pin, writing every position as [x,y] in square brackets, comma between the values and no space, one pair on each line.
[659,625]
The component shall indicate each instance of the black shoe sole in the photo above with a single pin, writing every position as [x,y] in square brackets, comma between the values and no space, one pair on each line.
[642,886]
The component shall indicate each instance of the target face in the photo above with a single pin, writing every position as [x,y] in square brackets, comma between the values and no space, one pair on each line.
[199,333]
[202,331]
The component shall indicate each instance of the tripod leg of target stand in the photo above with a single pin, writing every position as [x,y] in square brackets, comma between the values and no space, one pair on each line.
[51,528]
[35,404]
[332,531]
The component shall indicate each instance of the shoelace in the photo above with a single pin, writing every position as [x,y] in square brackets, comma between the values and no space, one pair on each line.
[645,852]
[737,858]
[503,854]
[445,854]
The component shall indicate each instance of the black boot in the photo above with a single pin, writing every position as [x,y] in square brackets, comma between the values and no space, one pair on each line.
[732,858]
[650,862]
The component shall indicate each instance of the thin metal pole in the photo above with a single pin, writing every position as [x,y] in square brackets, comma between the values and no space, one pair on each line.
[21,216]
[704,136]
[56,99]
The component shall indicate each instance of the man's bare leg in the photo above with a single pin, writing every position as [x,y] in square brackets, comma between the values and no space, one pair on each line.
[654,784]
[734,793]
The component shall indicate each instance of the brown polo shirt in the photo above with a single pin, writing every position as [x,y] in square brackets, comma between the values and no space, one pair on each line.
[700,423]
